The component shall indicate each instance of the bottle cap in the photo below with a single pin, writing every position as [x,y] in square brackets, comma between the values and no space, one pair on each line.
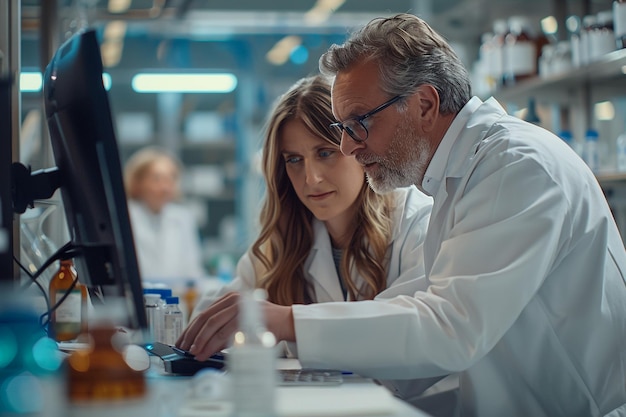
[171,300]
[163,292]
[592,134]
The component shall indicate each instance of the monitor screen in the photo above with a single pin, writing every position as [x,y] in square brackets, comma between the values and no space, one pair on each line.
[86,154]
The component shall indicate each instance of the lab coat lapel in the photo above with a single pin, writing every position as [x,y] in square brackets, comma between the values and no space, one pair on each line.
[321,271]
[459,162]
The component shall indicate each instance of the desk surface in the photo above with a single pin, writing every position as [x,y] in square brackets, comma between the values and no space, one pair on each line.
[203,395]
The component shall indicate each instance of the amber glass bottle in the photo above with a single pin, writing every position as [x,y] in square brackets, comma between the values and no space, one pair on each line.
[100,374]
[190,298]
[69,319]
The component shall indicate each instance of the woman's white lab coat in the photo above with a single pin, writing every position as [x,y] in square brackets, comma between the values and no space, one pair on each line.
[406,269]
[527,298]
[167,243]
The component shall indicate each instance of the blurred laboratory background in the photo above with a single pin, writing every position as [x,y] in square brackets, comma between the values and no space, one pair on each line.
[256,49]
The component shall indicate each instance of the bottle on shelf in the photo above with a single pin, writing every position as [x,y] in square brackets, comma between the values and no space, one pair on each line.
[531,112]
[172,321]
[522,48]
[574,30]
[601,36]
[621,152]
[252,361]
[590,152]
[619,23]
[587,25]
[69,319]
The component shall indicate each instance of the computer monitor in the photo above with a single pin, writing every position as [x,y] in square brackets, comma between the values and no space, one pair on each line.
[90,173]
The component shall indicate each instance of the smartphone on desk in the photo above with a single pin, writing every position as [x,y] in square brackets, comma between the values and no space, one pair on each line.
[181,362]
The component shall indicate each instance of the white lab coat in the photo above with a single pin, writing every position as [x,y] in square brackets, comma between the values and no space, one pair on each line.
[167,244]
[410,220]
[405,271]
[527,298]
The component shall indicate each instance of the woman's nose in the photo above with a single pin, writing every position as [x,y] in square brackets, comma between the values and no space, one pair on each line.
[313,172]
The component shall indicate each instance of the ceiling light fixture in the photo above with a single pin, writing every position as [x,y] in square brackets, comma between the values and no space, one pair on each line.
[32,82]
[322,11]
[281,51]
[184,83]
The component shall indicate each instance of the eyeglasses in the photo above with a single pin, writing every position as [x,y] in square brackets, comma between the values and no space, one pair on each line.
[355,126]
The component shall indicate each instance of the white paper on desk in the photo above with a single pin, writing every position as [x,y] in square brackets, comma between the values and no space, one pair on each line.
[357,399]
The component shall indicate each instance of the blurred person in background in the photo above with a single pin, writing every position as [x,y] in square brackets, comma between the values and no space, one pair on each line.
[166,234]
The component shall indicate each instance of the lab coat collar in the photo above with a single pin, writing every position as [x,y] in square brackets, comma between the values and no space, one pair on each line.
[320,268]
[460,143]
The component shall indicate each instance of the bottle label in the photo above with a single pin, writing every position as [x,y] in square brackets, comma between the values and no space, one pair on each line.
[70,310]
[521,59]
[172,327]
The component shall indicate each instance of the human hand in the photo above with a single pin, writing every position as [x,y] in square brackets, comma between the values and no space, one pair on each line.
[212,329]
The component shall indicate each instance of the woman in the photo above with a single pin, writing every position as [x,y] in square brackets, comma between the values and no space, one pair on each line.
[166,236]
[325,234]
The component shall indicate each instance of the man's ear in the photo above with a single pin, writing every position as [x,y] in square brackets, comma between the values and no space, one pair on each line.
[426,102]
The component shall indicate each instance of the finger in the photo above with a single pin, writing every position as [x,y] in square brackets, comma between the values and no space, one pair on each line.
[216,333]
[191,332]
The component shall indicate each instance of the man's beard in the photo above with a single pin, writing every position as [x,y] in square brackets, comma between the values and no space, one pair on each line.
[404,164]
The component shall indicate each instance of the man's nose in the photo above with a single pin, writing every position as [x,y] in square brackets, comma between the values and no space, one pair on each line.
[349,145]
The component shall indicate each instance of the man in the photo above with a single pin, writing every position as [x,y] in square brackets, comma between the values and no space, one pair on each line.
[526,297]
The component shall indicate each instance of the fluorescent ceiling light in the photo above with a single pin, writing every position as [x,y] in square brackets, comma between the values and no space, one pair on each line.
[184,83]
[279,54]
[32,82]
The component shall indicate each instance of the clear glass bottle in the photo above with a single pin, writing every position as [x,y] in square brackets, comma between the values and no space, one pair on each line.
[153,313]
[252,361]
[69,319]
[621,152]
[591,153]
[619,23]
[172,321]
[601,36]
[588,22]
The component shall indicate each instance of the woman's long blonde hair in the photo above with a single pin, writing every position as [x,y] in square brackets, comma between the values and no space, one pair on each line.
[286,235]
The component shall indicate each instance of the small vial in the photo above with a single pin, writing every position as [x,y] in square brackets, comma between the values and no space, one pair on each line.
[172,321]
[157,326]
[152,303]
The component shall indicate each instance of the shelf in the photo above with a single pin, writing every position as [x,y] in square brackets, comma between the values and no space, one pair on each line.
[611,177]
[607,68]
